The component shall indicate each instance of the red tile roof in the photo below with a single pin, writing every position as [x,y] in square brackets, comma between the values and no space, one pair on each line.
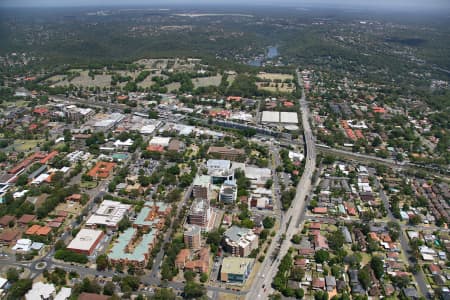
[49,157]
[320,210]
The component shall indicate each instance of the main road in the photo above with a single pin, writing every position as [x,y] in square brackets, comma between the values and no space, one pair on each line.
[261,287]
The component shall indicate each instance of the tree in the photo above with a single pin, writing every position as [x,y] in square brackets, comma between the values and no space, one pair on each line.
[12,275]
[299,293]
[296,239]
[129,283]
[321,256]
[204,277]
[70,256]
[268,183]
[320,295]
[189,275]
[214,237]
[22,180]
[415,220]
[19,289]
[377,266]
[163,294]
[124,224]
[297,274]
[60,245]
[109,288]
[400,281]
[102,262]
[193,290]
[336,240]
[364,277]
[268,222]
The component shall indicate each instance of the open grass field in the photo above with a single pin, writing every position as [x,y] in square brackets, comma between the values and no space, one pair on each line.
[84,80]
[275,76]
[88,184]
[18,103]
[276,87]
[25,145]
[173,86]
[207,81]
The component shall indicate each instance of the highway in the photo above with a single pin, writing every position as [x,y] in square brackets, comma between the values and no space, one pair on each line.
[261,287]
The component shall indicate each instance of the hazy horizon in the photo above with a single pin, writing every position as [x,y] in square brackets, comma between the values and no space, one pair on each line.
[441,5]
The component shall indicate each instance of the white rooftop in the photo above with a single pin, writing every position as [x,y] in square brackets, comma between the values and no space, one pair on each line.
[161,141]
[126,143]
[85,239]
[270,117]
[40,290]
[288,117]
[147,129]
[109,213]
[63,294]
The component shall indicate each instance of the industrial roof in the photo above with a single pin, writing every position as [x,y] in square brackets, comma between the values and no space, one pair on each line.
[270,116]
[289,117]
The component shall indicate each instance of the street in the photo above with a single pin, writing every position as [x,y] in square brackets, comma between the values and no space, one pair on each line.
[261,287]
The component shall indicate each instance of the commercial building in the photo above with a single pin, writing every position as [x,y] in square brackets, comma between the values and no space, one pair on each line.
[104,123]
[240,241]
[123,145]
[219,170]
[176,145]
[258,176]
[160,141]
[270,117]
[228,192]
[192,237]
[236,269]
[226,153]
[279,117]
[86,241]
[289,117]
[74,113]
[200,213]
[201,186]
[109,214]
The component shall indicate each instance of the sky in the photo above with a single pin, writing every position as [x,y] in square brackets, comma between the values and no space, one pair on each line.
[383,4]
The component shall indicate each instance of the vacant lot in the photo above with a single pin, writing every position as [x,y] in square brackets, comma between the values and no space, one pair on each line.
[71,208]
[207,81]
[275,76]
[173,86]
[276,87]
